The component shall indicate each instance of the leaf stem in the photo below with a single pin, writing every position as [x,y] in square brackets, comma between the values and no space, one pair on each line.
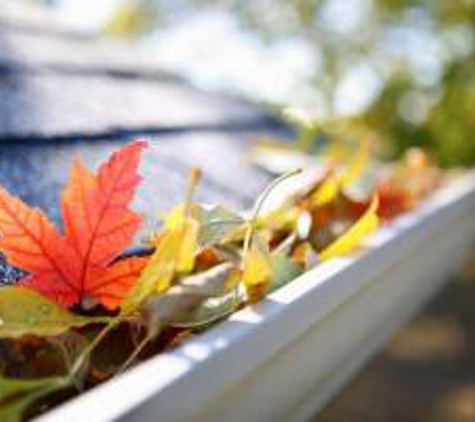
[92,345]
[194,179]
[252,225]
[130,360]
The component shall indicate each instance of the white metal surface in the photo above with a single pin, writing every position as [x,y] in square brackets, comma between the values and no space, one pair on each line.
[283,358]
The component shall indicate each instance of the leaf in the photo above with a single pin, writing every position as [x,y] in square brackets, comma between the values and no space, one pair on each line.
[327,192]
[174,253]
[30,241]
[23,311]
[97,219]
[284,270]
[180,300]
[257,268]
[283,217]
[207,313]
[394,200]
[186,229]
[216,224]
[176,217]
[159,272]
[334,183]
[98,225]
[303,255]
[257,272]
[112,285]
[351,239]
[188,245]
[210,256]
[16,395]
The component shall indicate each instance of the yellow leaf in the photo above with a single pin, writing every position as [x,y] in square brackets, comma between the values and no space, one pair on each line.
[175,218]
[350,240]
[178,216]
[257,273]
[233,280]
[159,272]
[175,253]
[329,190]
[188,245]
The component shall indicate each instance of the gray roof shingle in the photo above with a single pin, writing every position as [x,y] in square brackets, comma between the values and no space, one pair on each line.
[63,95]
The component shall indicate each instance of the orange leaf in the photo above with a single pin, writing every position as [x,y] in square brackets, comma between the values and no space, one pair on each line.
[30,241]
[97,220]
[98,225]
[110,287]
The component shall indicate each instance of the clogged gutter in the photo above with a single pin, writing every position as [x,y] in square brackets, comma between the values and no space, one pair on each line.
[84,310]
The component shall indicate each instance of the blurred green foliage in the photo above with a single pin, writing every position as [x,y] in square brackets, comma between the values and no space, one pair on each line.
[420,51]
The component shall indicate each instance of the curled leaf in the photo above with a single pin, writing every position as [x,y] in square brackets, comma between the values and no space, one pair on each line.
[351,239]
[180,300]
[207,313]
[216,224]
[174,253]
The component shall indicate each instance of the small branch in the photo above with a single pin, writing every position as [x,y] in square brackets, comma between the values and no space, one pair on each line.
[130,360]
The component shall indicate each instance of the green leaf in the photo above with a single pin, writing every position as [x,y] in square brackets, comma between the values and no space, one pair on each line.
[16,395]
[216,223]
[283,271]
[209,312]
[23,311]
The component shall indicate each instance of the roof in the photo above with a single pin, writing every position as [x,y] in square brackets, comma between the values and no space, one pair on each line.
[64,94]
[55,82]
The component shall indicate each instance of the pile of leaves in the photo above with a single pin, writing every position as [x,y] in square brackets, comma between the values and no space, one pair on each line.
[88,308]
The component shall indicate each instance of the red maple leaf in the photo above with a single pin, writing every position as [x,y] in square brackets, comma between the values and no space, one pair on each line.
[98,225]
